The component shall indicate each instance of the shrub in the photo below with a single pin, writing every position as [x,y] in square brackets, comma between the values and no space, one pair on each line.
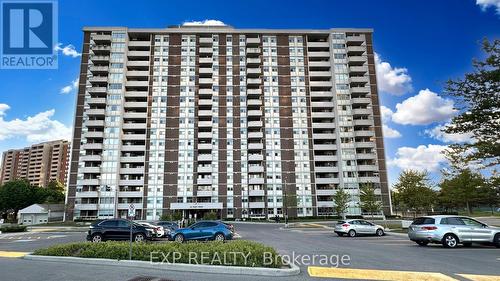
[210,216]
[187,252]
[13,228]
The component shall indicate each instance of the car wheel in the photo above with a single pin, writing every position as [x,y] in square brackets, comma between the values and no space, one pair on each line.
[96,238]
[352,233]
[219,237]
[422,243]
[380,232]
[179,238]
[450,241]
[496,240]
[139,237]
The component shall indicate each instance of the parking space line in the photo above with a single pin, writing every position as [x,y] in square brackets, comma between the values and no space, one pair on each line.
[8,254]
[475,277]
[371,274]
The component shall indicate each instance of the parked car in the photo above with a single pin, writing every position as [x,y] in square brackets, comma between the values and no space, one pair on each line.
[450,231]
[355,227]
[156,230]
[203,230]
[117,229]
[168,226]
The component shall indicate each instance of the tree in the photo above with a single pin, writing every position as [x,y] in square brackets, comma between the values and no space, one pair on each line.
[489,193]
[18,194]
[341,200]
[462,189]
[369,201]
[414,191]
[477,97]
[54,192]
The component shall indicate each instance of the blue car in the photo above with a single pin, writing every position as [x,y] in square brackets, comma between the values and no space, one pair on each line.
[203,230]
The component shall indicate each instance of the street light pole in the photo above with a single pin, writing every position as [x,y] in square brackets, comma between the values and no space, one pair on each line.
[285,202]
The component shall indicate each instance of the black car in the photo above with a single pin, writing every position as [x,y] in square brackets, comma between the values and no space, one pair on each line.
[117,229]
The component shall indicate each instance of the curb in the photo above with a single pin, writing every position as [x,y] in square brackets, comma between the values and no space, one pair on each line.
[198,268]
[396,233]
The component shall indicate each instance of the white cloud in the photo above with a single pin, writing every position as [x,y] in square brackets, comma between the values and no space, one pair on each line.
[386,113]
[386,117]
[68,50]
[394,81]
[3,107]
[438,134]
[485,4]
[420,158]
[425,108]
[69,88]
[204,22]
[390,132]
[37,128]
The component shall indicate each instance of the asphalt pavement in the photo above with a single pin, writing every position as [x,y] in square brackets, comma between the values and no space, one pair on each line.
[392,254]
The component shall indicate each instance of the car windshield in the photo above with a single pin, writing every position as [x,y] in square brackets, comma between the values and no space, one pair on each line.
[340,222]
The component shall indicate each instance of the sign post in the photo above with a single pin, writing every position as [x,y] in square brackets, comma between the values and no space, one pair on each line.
[131,215]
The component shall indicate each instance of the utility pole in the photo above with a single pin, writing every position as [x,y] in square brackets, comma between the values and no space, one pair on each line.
[285,201]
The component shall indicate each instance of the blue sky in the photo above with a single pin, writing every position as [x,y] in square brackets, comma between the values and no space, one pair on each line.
[420,44]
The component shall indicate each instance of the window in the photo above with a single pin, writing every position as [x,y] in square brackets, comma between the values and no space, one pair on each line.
[470,222]
[123,223]
[452,221]
[110,223]
[420,221]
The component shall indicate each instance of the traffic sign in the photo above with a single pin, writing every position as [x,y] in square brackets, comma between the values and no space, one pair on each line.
[131,210]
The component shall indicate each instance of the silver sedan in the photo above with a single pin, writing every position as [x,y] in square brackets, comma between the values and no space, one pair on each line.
[355,227]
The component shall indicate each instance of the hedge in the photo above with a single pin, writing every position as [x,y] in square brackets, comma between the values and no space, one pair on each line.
[13,228]
[229,253]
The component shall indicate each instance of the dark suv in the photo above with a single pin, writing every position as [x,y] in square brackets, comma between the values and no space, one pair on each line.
[117,229]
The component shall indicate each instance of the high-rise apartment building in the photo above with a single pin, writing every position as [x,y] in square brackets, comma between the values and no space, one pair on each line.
[39,163]
[244,122]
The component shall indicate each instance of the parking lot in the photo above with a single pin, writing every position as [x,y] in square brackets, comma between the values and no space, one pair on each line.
[392,254]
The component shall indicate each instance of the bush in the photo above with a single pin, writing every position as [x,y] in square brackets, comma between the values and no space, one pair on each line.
[187,252]
[210,216]
[13,228]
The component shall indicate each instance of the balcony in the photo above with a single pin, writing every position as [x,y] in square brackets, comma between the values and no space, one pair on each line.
[253,40]
[135,104]
[205,169]
[138,94]
[137,43]
[254,113]
[94,123]
[86,194]
[206,60]
[357,59]
[326,158]
[360,90]
[254,81]
[320,73]
[98,69]
[98,79]
[204,181]
[93,134]
[129,136]
[364,133]
[97,90]
[358,69]
[318,44]
[327,180]
[255,146]
[91,146]
[255,135]
[368,144]
[99,58]
[322,104]
[323,169]
[137,84]
[134,126]
[362,111]
[319,64]
[324,136]
[254,71]
[359,79]
[90,158]
[255,169]
[327,114]
[366,156]
[132,159]
[138,53]
[367,168]
[205,81]
[363,122]
[256,192]
[138,63]
[204,157]
[254,124]
[361,100]
[204,135]
[205,124]
[101,37]
[320,83]
[253,50]
[135,115]
[254,91]
[254,102]
[206,40]
[256,205]
[205,102]
[130,194]
[96,101]
[138,171]
[255,157]
[253,60]
[205,50]
[138,182]
[205,113]
[206,70]
[325,192]
[131,147]
[90,170]
[137,73]
[356,38]
[325,147]
[88,182]
[318,54]
[85,206]
[323,125]
[356,49]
